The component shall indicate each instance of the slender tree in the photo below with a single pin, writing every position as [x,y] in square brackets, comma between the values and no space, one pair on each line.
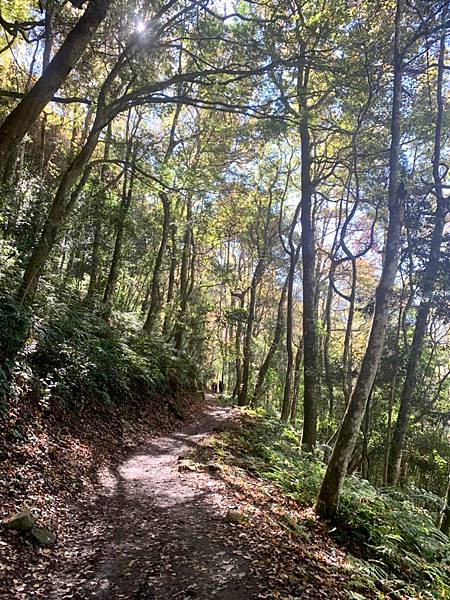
[429,278]
[337,467]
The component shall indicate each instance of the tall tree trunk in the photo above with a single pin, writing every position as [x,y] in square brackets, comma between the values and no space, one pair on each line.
[98,205]
[272,348]
[310,337]
[326,347]
[392,391]
[171,282]
[293,258]
[184,278]
[154,287]
[127,194]
[347,371]
[348,433]
[248,339]
[237,346]
[20,119]
[293,252]
[430,276]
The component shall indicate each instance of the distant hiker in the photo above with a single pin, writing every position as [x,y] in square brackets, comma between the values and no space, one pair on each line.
[214,387]
[220,387]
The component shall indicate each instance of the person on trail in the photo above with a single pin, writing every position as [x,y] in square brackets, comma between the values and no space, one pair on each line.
[221,387]
[214,387]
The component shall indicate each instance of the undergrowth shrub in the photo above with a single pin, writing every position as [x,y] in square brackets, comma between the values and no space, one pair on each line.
[398,551]
[79,357]
[14,323]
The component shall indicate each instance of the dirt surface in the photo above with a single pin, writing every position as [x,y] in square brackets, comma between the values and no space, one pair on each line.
[153,531]
[158,528]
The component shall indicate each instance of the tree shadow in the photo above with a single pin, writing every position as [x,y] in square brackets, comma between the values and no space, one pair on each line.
[153,532]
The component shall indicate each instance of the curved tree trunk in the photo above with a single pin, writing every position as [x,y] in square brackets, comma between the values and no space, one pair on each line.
[21,118]
[61,207]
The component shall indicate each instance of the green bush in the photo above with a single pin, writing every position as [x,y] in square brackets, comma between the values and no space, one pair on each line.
[78,356]
[14,324]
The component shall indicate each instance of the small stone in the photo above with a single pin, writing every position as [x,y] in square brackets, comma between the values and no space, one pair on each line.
[214,468]
[43,536]
[187,465]
[234,516]
[22,521]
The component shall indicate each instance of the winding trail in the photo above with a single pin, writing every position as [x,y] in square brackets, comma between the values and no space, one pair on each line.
[155,532]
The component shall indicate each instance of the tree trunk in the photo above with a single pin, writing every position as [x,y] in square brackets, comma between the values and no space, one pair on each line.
[171,283]
[444,524]
[310,338]
[347,370]
[297,376]
[430,276]
[49,34]
[154,287]
[19,121]
[293,258]
[237,347]
[184,278]
[247,353]
[61,206]
[272,348]
[127,194]
[326,348]
[392,391]
[337,467]
[98,205]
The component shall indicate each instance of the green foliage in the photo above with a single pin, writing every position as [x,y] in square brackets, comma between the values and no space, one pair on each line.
[14,323]
[392,533]
[79,357]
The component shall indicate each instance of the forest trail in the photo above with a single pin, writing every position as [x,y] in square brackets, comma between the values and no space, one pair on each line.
[160,525]
[156,532]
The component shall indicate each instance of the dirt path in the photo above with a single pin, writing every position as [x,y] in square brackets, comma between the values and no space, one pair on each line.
[157,533]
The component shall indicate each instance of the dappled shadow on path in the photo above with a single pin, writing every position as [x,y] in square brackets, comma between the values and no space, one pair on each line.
[154,532]
[157,532]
